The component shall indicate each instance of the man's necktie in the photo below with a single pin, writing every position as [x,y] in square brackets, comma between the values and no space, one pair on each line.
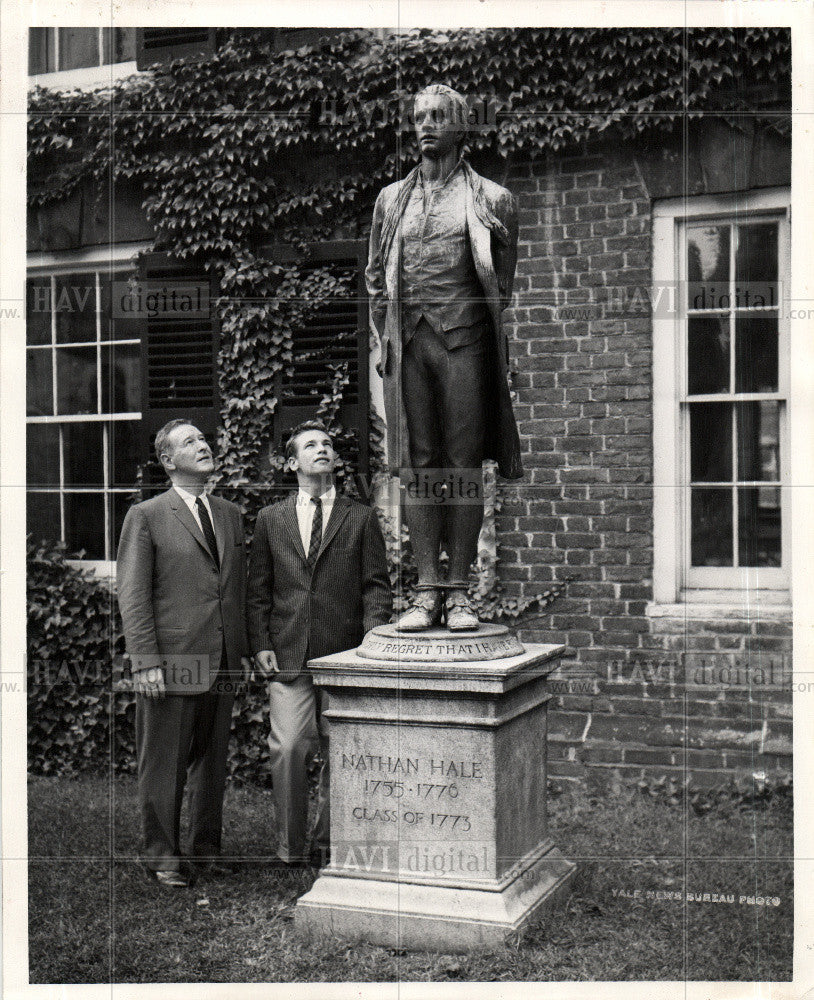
[208,530]
[316,533]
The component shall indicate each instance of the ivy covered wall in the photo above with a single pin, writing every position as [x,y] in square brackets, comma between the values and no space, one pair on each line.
[252,146]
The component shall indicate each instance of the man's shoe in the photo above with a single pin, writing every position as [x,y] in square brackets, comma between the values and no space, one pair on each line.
[288,864]
[320,857]
[212,868]
[424,613]
[461,615]
[171,879]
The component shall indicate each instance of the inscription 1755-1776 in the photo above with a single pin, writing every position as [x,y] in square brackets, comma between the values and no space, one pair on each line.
[416,791]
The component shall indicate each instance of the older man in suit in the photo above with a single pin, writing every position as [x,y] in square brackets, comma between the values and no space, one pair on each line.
[181,574]
[318,581]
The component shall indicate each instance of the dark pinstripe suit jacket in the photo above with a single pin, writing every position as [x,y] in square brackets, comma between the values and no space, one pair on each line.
[300,615]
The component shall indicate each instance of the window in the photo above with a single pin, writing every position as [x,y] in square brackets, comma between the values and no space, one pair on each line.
[83,405]
[721,390]
[53,49]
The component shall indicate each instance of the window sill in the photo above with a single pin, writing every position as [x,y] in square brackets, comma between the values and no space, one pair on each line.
[83,78]
[748,606]
[101,569]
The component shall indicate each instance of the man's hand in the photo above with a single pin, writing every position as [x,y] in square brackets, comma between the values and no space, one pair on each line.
[149,682]
[266,662]
[247,665]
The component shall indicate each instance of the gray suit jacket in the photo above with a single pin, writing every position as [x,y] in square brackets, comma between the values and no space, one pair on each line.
[301,616]
[174,599]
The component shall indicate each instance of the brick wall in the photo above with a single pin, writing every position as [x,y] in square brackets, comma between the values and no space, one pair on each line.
[628,700]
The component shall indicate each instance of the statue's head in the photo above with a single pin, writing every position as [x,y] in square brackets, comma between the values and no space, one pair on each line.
[441,115]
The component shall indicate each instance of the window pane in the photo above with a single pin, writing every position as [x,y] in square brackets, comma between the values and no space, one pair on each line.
[42,516]
[708,354]
[710,442]
[121,379]
[125,435]
[85,524]
[756,254]
[759,440]
[119,45]
[756,351]
[117,323]
[711,527]
[759,526]
[120,504]
[707,263]
[76,380]
[75,306]
[41,51]
[42,454]
[39,386]
[83,454]
[78,47]
[38,311]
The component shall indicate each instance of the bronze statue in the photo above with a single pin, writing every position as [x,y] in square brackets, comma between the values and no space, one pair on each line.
[443,249]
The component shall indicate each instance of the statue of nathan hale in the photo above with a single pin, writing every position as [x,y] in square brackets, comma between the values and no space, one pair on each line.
[443,248]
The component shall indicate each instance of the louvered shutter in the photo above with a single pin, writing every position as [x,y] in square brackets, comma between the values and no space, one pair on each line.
[179,348]
[162,45]
[336,333]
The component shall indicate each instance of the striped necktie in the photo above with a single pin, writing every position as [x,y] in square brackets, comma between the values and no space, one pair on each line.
[208,530]
[316,533]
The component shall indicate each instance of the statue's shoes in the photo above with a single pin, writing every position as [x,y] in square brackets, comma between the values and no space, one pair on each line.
[424,613]
[461,615]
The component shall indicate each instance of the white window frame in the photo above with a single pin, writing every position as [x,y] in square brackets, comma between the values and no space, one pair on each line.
[83,76]
[670,472]
[118,258]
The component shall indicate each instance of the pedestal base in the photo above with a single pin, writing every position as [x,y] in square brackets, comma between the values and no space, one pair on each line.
[427,917]
[439,836]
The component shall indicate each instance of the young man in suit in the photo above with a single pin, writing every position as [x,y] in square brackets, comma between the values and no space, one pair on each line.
[181,578]
[318,581]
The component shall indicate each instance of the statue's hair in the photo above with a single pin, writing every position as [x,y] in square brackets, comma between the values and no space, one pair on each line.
[458,101]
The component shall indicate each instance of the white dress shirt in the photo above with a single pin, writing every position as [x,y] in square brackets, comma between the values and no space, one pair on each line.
[305,513]
[189,499]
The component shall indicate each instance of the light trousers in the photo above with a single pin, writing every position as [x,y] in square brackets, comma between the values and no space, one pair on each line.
[297,731]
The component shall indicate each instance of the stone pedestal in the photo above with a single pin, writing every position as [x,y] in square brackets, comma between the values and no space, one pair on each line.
[439,835]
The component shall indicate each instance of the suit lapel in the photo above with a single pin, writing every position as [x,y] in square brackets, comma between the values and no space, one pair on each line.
[338,514]
[292,524]
[184,515]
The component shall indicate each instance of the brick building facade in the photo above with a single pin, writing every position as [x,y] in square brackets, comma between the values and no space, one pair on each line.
[698,682]
[676,608]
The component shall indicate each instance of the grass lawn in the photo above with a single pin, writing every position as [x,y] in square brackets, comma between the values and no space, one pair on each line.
[95,917]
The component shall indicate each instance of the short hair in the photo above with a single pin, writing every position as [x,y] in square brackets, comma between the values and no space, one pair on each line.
[306,425]
[164,433]
[457,100]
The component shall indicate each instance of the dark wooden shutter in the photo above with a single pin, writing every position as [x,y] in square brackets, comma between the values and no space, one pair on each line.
[179,348]
[336,333]
[163,45]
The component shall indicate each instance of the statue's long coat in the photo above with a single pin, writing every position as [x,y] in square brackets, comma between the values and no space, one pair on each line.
[491,218]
